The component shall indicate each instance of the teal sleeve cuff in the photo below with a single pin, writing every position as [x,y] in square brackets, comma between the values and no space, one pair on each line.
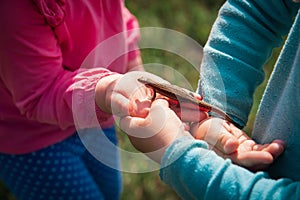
[194,171]
[179,147]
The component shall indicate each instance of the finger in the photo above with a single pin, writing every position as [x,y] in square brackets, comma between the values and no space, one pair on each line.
[129,96]
[198,96]
[257,157]
[254,157]
[119,105]
[253,160]
[276,148]
[217,134]
[144,127]
[166,117]
[238,133]
[139,108]
[156,119]
[227,143]
[137,104]
[195,95]
[133,126]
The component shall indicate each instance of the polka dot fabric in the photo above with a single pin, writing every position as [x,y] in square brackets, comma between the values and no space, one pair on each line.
[62,171]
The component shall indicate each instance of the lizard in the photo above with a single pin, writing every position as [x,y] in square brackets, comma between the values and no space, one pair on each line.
[179,95]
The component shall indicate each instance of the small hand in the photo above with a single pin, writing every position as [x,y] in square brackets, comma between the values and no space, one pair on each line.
[123,95]
[154,133]
[230,142]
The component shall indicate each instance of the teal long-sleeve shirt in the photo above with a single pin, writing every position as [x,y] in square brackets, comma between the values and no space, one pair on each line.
[195,172]
[241,41]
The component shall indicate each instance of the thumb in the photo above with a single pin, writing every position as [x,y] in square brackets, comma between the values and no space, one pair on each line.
[150,125]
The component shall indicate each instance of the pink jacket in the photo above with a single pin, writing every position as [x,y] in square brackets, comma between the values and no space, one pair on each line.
[45,77]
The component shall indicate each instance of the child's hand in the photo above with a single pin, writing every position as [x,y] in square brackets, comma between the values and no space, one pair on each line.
[154,133]
[124,95]
[230,142]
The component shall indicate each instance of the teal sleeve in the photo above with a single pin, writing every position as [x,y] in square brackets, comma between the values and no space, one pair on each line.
[241,41]
[195,172]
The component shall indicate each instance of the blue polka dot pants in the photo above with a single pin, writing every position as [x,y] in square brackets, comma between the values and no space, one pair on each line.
[66,171]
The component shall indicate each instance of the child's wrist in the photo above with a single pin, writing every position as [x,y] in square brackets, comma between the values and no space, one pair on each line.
[104,90]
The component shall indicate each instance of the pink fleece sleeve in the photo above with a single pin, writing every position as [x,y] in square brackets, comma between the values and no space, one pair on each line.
[32,69]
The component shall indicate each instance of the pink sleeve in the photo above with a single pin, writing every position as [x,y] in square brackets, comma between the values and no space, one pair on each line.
[133,35]
[32,70]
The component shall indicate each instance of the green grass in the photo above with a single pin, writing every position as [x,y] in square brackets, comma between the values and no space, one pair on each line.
[193,18]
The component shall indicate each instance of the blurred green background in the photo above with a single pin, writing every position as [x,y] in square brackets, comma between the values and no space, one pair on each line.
[193,18]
